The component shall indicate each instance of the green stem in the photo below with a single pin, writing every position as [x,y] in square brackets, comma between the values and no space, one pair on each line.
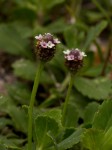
[67,99]
[32,100]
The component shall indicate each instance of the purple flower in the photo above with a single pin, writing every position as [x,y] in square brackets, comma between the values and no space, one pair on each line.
[74,54]
[43,44]
[74,59]
[46,46]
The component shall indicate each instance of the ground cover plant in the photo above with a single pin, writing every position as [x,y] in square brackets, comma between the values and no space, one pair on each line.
[56,75]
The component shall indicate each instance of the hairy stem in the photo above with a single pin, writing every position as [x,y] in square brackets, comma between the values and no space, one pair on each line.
[67,100]
[32,100]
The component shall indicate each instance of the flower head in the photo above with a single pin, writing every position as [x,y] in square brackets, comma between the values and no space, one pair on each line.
[74,59]
[46,46]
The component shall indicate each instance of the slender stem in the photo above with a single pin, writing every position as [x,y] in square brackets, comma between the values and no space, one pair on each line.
[32,100]
[67,99]
[64,83]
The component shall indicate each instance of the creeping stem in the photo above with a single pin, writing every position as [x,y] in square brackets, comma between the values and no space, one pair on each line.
[32,100]
[67,99]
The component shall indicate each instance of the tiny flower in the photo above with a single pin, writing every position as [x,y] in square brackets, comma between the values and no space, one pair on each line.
[71,57]
[50,44]
[39,37]
[45,46]
[56,41]
[74,59]
[83,54]
[66,52]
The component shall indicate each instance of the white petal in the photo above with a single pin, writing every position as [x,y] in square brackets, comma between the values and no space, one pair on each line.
[48,34]
[39,37]
[56,41]
[66,52]
[50,44]
[83,54]
[36,37]
[77,49]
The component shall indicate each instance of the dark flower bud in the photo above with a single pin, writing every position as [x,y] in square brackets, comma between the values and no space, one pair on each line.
[74,59]
[46,46]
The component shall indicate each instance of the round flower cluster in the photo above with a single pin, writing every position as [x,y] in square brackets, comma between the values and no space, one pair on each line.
[46,46]
[74,59]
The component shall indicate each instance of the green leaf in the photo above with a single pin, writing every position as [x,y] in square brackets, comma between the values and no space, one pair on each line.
[19,117]
[3,147]
[107,140]
[93,33]
[19,92]
[74,35]
[72,116]
[43,125]
[103,117]
[92,139]
[58,26]
[97,139]
[55,114]
[71,37]
[71,140]
[90,111]
[53,140]
[93,16]
[98,89]
[10,142]
[26,69]
[3,99]
[5,102]
[80,101]
[11,40]
[4,122]
[23,31]
[94,71]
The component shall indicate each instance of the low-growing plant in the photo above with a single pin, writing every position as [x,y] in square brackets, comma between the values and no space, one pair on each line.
[52,96]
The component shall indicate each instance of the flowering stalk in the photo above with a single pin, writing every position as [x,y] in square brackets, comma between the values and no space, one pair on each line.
[32,100]
[45,50]
[73,61]
[67,99]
